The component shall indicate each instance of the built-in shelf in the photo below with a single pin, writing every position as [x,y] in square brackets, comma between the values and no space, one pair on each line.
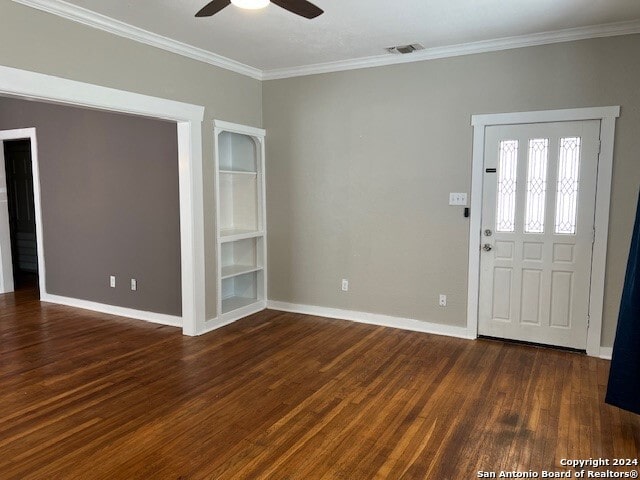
[241,290]
[235,234]
[234,303]
[237,152]
[237,172]
[240,219]
[240,202]
[235,270]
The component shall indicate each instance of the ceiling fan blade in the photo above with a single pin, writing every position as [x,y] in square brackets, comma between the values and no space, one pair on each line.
[212,8]
[300,7]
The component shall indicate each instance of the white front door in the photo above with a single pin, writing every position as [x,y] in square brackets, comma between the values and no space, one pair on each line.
[537,231]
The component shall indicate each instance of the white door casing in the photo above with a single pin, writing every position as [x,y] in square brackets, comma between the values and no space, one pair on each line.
[6,273]
[607,117]
[6,270]
[538,222]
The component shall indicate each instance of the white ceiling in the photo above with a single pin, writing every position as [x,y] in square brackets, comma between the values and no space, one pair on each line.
[273,38]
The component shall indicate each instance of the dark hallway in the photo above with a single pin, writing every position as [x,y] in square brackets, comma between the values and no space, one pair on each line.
[19,179]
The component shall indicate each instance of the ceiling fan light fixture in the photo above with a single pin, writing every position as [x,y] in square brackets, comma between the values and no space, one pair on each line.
[303,8]
[251,4]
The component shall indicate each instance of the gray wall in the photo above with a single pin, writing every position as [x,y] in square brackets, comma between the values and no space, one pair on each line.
[40,42]
[360,164]
[110,203]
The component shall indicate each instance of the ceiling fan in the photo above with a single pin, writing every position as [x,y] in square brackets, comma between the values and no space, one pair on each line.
[299,7]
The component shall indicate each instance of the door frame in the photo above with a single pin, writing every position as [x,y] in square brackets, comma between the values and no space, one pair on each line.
[188,117]
[24,134]
[607,117]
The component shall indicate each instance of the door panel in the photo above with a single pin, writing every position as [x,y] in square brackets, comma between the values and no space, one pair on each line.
[537,223]
[19,178]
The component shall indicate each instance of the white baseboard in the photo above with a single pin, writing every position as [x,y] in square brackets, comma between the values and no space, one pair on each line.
[373,319]
[215,323]
[152,317]
[606,353]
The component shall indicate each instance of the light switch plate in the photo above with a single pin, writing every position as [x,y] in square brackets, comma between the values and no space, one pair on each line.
[458,199]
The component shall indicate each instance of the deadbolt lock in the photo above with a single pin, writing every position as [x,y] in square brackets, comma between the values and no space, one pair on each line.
[488,233]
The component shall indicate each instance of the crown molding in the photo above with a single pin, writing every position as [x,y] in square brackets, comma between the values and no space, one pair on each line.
[116,27]
[505,43]
[107,24]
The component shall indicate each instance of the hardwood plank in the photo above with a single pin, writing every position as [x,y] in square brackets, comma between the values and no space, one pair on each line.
[285,396]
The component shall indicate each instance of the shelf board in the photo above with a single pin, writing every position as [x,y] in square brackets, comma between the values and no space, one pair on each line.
[234,234]
[234,303]
[237,172]
[235,270]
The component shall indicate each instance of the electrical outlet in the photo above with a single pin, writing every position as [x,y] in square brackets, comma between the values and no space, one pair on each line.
[134,284]
[458,199]
[112,281]
[443,300]
[345,285]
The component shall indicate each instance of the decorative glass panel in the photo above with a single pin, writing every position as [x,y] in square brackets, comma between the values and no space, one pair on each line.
[536,185]
[568,179]
[507,186]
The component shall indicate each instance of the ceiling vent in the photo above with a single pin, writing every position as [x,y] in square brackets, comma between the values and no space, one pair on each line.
[405,49]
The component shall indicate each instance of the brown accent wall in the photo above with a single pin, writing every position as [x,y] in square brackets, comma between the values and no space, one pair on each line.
[110,203]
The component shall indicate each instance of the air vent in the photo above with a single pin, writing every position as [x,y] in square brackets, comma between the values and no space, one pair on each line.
[405,49]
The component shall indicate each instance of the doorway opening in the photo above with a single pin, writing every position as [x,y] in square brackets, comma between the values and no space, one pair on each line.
[21,250]
[485,246]
[18,169]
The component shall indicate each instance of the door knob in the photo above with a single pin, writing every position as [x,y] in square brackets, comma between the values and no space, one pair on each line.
[487,247]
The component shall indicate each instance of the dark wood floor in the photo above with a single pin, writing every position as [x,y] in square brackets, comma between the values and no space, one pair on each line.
[285,396]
